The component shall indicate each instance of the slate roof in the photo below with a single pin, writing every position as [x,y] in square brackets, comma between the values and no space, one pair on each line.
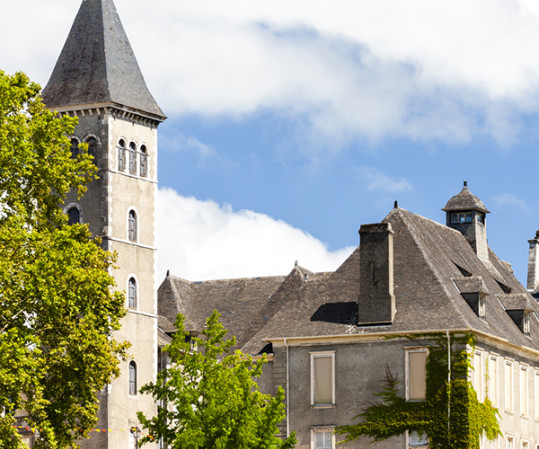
[465,200]
[429,262]
[97,65]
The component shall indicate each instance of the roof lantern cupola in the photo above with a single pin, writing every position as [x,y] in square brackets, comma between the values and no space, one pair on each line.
[466,213]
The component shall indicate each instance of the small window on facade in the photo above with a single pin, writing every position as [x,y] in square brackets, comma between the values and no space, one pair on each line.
[508,378]
[322,378]
[132,226]
[416,381]
[493,380]
[132,158]
[132,378]
[523,389]
[74,148]
[92,147]
[323,439]
[143,161]
[510,443]
[477,379]
[416,439]
[481,217]
[121,155]
[132,293]
[73,215]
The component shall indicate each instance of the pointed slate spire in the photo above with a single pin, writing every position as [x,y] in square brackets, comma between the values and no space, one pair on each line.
[98,66]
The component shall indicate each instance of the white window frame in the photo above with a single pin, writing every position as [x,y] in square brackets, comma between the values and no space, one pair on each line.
[523,389]
[492,381]
[509,386]
[421,443]
[478,375]
[323,354]
[322,429]
[536,395]
[409,350]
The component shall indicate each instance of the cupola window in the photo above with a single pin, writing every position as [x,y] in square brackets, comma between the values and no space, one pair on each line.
[461,217]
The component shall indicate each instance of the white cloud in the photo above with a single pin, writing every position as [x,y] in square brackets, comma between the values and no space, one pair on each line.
[200,240]
[347,69]
[377,181]
[506,200]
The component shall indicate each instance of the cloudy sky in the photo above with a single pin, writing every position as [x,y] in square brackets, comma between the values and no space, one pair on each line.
[291,123]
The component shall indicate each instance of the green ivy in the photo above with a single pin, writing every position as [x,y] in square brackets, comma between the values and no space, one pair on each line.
[452,417]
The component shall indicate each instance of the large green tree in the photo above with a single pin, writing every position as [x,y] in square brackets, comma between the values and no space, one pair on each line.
[58,310]
[208,396]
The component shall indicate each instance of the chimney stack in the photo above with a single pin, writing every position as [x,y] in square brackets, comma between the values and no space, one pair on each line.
[376,303]
[533,263]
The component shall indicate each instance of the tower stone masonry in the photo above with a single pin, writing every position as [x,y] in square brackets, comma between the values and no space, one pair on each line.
[98,80]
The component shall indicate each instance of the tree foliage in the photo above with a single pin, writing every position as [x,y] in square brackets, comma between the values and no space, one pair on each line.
[57,308]
[208,396]
[451,417]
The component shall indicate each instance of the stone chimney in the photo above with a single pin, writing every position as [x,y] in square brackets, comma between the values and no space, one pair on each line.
[376,303]
[533,263]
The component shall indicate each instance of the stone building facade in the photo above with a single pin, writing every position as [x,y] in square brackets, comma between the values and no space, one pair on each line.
[328,336]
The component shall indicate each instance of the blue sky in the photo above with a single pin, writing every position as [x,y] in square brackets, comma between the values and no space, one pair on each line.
[292,123]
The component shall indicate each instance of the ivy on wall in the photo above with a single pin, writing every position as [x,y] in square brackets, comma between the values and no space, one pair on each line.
[452,417]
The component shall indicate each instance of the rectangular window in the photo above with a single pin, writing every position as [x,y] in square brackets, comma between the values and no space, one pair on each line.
[536,395]
[510,443]
[523,388]
[493,380]
[415,439]
[323,378]
[416,374]
[477,379]
[508,378]
[525,445]
[323,438]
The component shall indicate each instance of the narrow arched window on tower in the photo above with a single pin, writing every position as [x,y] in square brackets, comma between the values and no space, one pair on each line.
[132,158]
[132,378]
[74,147]
[143,161]
[121,155]
[132,226]
[73,215]
[132,293]
[92,147]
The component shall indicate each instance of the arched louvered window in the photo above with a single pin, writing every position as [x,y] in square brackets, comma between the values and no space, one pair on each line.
[74,147]
[73,215]
[132,158]
[92,147]
[132,378]
[121,155]
[143,161]
[132,293]
[132,226]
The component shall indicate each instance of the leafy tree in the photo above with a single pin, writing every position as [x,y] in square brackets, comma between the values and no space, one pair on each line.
[57,309]
[208,397]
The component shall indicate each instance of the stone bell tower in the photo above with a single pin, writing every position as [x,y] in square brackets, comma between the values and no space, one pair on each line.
[97,79]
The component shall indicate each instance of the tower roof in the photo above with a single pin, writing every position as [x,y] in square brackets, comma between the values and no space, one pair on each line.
[465,201]
[97,65]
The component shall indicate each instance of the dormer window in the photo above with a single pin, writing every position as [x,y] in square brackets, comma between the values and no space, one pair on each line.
[464,271]
[461,217]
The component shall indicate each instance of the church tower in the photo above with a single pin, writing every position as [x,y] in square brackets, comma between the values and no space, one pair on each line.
[97,79]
